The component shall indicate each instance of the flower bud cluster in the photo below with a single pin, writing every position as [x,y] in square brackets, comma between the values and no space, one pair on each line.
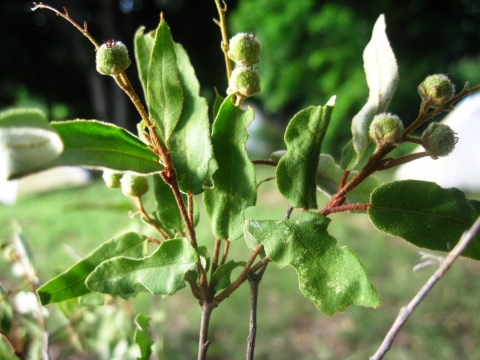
[244,50]
[386,130]
[112,58]
[436,90]
[438,140]
[132,185]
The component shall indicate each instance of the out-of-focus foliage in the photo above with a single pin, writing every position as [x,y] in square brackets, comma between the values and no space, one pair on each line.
[308,54]
[312,50]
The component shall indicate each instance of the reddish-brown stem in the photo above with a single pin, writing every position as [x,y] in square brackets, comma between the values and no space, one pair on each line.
[265,162]
[190,208]
[225,252]
[349,207]
[170,178]
[216,253]
[344,179]
[147,218]
[241,278]
[391,163]
[259,265]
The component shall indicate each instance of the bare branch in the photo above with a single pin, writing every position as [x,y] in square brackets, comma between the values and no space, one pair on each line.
[406,311]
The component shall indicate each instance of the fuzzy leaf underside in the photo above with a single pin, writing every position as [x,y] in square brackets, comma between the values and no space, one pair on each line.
[297,169]
[164,92]
[99,145]
[71,283]
[190,144]
[235,188]
[425,214]
[382,78]
[330,276]
[161,273]
[27,142]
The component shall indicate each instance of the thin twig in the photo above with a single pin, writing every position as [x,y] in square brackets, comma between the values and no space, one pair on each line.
[405,312]
[222,10]
[148,219]
[341,208]
[265,162]
[391,163]
[225,252]
[254,281]
[241,278]
[66,16]
[203,343]
[216,253]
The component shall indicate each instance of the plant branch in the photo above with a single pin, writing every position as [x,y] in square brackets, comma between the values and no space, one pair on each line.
[67,17]
[225,252]
[222,10]
[390,163]
[147,218]
[216,253]
[241,278]
[406,311]
[254,281]
[265,162]
[203,343]
[350,207]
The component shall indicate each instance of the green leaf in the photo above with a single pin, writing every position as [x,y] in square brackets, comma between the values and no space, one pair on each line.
[95,144]
[168,213]
[71,283]
[425,214]
[164,92]
[382,78]
[330,174]
[190,145]
[217,103]
[143,49]
[330,276]
[27,142]
[167,210]
[235,188]
[297,169]
[142,337]
[160,273]
[221,276]
[349,157]
[92,299]
[6,312]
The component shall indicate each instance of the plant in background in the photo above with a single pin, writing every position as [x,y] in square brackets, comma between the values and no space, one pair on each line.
[185,157]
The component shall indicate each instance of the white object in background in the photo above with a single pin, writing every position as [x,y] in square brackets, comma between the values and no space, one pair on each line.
[460,169]
[56,178]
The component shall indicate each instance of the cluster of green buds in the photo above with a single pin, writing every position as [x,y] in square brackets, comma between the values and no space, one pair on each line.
[386,130]
[112,58]
[132,185]
[438,140]
[436,90]
[244,50]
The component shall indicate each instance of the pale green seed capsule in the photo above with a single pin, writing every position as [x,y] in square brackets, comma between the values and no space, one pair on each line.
[386,130]
[436,90]
[244,49]
[438,140]
[112,178]
[134,185]
[244,81]
[112,58]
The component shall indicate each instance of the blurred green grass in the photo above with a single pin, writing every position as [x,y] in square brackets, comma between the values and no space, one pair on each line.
[61,226]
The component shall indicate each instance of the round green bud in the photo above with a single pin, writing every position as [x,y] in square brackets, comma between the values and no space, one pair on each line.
[244,81]
[386,129]
[436,90]
[112,58]
[244,49]
[112,178]
[438,140]
[134,185]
